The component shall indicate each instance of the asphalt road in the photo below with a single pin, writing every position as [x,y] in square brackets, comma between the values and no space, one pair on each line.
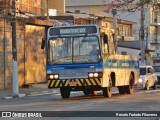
[140,101]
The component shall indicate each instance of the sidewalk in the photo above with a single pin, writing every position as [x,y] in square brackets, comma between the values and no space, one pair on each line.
[33,89]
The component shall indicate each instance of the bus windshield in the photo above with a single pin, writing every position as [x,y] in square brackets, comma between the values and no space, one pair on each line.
[69,50]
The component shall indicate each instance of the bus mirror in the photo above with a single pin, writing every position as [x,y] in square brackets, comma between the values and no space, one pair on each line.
[105,38]
[43,43]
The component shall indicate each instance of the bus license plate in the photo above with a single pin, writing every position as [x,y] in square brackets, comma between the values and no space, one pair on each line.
[73,83]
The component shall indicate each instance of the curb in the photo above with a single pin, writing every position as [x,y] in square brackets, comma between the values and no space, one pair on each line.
[40,93]
[17,96]
[32,94]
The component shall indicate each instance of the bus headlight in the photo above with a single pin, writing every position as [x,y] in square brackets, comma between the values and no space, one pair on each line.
[56,76]
[53,76]
[90,75]
[94,74]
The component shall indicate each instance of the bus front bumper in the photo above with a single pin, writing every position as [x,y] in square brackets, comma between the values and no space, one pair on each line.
[82,82]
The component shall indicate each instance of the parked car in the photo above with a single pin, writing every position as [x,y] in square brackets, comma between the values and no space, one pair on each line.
[148,78]
[157,70]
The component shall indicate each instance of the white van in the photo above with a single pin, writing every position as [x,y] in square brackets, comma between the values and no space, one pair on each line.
[157,70]
[148,78]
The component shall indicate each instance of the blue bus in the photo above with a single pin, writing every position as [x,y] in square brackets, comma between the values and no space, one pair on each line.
[82,58]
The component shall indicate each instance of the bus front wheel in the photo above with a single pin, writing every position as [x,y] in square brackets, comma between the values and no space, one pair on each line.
[65,92]
[107,91]
[86,92]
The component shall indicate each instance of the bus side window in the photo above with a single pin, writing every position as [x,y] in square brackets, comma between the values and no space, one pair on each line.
[105,42]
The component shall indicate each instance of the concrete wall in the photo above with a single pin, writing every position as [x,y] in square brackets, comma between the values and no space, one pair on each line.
[59,5]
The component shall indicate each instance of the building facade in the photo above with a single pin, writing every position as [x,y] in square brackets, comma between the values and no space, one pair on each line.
[31,20]
[155,31]
[59,6]
[97,8]
[151,12]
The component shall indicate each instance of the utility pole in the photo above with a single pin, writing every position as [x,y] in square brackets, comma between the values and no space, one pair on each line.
[14,52]
[114,12]
[147,37]
[142,35]
[47,9]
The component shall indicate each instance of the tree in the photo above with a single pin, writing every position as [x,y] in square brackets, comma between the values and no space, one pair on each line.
[126,5]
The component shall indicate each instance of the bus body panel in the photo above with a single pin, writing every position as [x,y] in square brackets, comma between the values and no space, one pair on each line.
[122,66]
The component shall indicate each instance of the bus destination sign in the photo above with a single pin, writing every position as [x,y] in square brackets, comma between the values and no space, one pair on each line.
[72,30]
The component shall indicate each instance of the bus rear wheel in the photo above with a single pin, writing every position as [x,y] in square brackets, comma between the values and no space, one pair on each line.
[130,87]
[65,92]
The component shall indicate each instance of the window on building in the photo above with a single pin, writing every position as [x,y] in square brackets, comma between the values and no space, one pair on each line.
[124,30]
[120,30]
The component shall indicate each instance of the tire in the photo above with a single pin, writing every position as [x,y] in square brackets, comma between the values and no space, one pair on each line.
[155,86]
[107,91]
[86,92]
[65,92]
[94,92]
[130,88]
[121,90]
[146,85]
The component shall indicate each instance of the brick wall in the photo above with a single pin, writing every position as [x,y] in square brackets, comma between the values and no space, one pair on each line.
[30,57]
[5,54]
[21,50]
